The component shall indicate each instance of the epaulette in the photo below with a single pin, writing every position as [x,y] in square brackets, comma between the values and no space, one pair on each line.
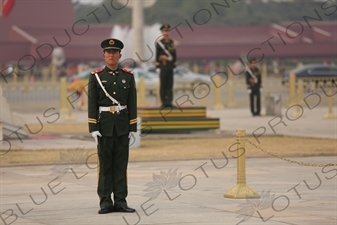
[96,71]
[127,71]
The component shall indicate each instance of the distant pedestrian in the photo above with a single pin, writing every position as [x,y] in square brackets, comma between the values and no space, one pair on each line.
[254,87]
[166,57]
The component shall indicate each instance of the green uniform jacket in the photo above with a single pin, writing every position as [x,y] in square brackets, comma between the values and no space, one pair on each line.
[249,79]
[121,85]
[170,46]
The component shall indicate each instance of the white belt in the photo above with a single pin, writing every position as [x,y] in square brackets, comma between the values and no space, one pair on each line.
[112,109]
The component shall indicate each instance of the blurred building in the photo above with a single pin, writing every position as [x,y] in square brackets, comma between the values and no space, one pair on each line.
[286,40]
[34,28]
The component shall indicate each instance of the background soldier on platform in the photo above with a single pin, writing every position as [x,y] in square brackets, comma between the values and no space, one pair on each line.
[112,112]
[254,87]
[165,64]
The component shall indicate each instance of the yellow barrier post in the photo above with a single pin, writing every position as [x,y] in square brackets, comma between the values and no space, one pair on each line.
[63,95]
[141,92]
[264,70]
[45,73]
[300,92]
[70,116]
[241,189]
[84,95]
[217,93]
[292,88]
[15,74]
[204,95]
[158,100]
[299,99]
[230,86]
[330,114]
[53,73]
[230,101]
[25,87]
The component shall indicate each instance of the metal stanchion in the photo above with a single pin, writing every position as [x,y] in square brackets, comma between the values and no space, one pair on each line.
[63,95]
[330,114]
[300,92]
[158,100]
[53,73]
[15,74]
[69,116]
[217,93]
[299,99]
[25,87]
[84,97]
[230,86]
[241,189]
[292,89]
[264,70]
[45,73]
[141,92]
[312,85]
[230,101]
[204,99]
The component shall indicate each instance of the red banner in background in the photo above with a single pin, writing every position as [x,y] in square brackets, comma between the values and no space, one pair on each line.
[7,6]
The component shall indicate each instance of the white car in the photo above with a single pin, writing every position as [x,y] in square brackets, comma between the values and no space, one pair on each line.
[79,81]
[151,81]
[184,78]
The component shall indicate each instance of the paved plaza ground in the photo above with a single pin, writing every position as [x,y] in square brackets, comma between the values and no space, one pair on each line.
[180,190]
[174,192]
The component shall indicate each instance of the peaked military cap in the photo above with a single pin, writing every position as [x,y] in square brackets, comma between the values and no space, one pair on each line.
[112,43]
[165,27]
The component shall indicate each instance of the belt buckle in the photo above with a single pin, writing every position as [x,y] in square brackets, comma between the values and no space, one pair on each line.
[113,109]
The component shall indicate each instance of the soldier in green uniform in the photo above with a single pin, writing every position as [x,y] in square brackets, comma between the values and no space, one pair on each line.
[165,64]
[112,116]
[254,87]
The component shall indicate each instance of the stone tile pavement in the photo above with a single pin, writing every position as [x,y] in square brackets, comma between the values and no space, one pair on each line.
[183,192]
[174,192]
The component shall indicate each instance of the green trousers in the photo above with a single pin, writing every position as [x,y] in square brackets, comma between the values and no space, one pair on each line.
[113,155]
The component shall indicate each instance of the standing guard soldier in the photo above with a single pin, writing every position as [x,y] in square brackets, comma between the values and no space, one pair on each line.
[112,112]
[254,87]
[165,64]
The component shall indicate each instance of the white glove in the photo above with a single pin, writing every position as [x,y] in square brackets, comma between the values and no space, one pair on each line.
[95,134]
[249,91]
[261,89]
[158,71]
[130,134]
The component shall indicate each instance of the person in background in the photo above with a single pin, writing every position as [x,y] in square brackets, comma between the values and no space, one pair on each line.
[166,57]
[254,87]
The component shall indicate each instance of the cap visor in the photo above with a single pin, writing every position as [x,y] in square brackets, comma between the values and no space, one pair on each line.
[112,48]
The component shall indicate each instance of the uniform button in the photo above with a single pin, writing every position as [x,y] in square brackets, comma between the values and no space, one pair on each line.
[114,93]
[114,82]
[124,87]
